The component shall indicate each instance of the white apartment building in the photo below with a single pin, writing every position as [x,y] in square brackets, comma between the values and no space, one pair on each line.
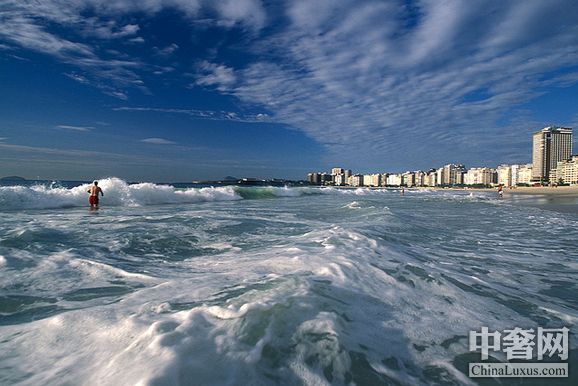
[356,180]
[524,175]
[450,174]
[504,175]
[431,178]
[567,171]
[479,176]
[408,179]
[372,180]
[394,180]
[339,179]
[384,179]
[420,178]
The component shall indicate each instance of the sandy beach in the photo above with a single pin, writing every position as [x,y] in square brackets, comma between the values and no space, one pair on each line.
[568,191]
[550,191]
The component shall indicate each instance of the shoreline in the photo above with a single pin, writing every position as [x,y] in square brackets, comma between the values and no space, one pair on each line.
[534,191]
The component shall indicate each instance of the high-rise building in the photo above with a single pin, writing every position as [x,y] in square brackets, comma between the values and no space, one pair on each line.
[339,180]
[314,178]
[450,174]
[357,180]
[524,175]
[338,176]
[394,179]
[372,180]
[505,175]
[337,171]
[550,145]
[408,179]
[384,179]
[440,176]
[326,179]
[420,178]
[479,176]
[431,177]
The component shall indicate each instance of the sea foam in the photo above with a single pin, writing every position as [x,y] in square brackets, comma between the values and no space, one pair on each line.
[117,193]
[120,193]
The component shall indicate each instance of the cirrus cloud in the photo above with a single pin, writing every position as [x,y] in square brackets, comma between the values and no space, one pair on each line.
[157,141]
[367,79]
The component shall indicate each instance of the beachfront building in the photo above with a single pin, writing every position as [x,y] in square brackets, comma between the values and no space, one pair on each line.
[337,171]
[550,145]
[514,174]
[384,179]
[439,176]
[356,180]
[408,179]
[420,178]
[479,176]
[372,180]
[505,175]
[339,179]
[431,178]
[338,176]
[450,174]
[566,171]
[524,174]
[326,179]
[394,180]
[314,178]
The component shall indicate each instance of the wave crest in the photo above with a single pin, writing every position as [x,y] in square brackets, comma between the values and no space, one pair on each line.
[117,193]
[120,193]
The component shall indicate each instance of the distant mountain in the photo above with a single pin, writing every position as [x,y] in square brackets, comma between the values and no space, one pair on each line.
[229,178]
[12,178]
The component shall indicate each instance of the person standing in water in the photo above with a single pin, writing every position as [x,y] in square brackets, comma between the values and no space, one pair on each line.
[93,195]
[500,191]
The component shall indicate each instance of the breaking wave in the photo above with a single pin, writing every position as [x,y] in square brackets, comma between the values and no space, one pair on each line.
[117,193]
[120,193]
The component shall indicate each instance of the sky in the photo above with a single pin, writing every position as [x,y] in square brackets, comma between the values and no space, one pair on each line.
[182,90]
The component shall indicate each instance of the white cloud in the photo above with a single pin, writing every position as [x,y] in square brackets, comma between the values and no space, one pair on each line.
[77,78]
[248,12]
[203,114]
[360,79]
[138,39]
[158,141]
[167,51]
[24,24]
[211,74]
[117,94]
[76,128]
[363,78]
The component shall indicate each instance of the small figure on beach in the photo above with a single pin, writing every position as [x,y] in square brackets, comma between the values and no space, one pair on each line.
[500,191]
[93,195]
[403,191]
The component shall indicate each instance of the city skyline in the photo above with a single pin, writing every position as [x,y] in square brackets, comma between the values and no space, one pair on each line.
[553,162]
[195,90]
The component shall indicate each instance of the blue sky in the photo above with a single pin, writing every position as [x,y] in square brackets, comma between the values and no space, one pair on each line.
[180,90]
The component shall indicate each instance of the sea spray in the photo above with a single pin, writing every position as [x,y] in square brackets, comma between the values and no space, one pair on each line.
[120,193]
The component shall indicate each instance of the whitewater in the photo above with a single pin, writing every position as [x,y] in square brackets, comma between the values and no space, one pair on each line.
[238,285]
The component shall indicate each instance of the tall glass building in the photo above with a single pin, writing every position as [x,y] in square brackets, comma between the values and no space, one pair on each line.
[551,144]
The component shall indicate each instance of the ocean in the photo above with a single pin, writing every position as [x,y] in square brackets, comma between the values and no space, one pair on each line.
[269,285]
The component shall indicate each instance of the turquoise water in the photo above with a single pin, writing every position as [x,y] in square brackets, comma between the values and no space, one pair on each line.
[250,286]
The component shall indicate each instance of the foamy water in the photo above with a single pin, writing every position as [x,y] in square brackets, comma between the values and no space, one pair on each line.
[249,286]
